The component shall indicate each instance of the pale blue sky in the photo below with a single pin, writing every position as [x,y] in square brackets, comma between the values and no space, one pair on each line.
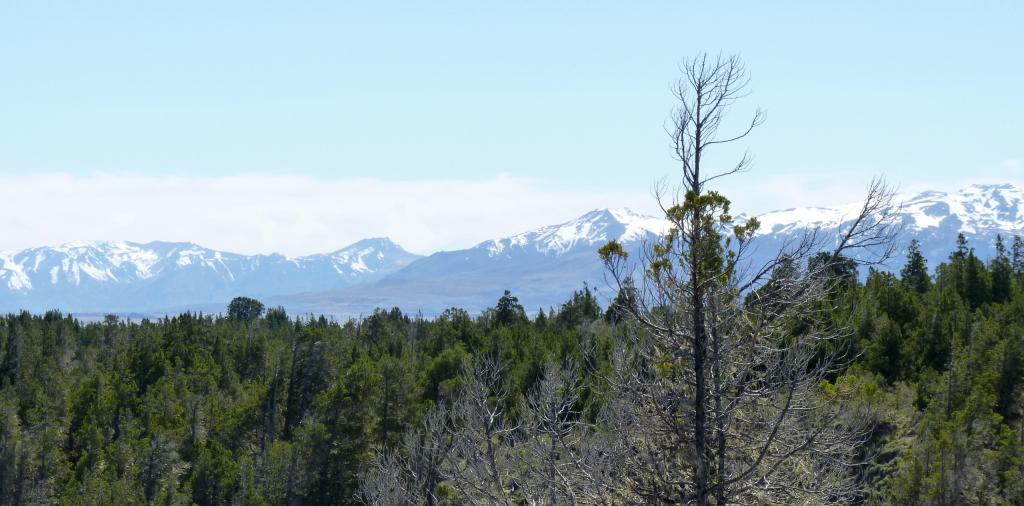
[567,94]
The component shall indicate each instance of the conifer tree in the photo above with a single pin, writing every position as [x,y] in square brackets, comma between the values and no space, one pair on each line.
[961,248]
[977,285]
[509,311]
[1002,273]
[915,273]
[541,320]
[1018,258]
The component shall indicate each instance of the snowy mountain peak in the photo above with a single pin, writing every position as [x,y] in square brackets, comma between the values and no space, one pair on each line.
[973,209]
[380,243]
[595,227]
[368,255]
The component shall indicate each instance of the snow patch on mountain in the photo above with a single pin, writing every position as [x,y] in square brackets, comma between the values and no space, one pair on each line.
[595,227]
[638,226]
[13,273]
[979,208]
[975,209]
[355,260]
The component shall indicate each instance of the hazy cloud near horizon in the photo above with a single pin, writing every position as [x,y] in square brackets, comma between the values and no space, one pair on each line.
[293,215]
[300,215]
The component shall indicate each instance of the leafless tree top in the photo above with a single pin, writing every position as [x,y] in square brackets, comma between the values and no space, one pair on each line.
[708,89]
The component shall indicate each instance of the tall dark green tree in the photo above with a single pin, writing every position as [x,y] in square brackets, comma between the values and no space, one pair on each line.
[310,374]
[582,306]
[915,272]
[509,311]
[1018,258]
[1001,269]
[961,248]
[244,309]
[977,284]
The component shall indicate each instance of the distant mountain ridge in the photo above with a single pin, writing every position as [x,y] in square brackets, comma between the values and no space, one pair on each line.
[127,276]
[935,218]
[974,209]
[542,266]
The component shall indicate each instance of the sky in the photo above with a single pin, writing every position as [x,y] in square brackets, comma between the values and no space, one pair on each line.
[300,127]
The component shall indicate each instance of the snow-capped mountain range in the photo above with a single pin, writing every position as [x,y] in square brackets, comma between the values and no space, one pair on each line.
[981,212]
[541,266]
[126,276]
[974,209]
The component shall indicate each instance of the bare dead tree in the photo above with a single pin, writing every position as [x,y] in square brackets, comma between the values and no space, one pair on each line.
[464,444]
[473,449]
[567,464]
[411,475]
[480,466]
[730,396]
